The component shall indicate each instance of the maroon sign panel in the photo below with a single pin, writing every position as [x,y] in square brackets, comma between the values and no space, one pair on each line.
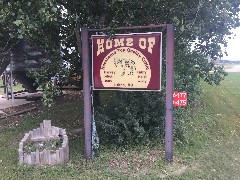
[127,62]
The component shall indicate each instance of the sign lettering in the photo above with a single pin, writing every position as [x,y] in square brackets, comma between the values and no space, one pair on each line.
[127,62]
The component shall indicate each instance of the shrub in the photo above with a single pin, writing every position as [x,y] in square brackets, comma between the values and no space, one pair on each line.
[132,117]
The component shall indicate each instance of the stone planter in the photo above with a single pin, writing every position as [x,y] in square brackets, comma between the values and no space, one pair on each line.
[37,137]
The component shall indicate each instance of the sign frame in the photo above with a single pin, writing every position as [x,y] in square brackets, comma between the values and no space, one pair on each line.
[130,89]
[88,116]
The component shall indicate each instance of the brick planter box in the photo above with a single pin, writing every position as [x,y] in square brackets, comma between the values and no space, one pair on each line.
[45,133]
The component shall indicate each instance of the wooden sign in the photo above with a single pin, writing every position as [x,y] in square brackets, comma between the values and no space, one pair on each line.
[127,62]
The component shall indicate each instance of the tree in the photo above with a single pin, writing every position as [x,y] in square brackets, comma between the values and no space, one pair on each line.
[51,22]
[53,25]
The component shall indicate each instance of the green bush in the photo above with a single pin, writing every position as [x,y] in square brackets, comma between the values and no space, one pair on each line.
[131,117]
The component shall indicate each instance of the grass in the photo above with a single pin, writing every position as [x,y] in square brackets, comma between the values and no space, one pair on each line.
[208,149]
[17,87]
[221,158]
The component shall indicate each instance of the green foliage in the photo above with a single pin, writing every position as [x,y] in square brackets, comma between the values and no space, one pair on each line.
[49,23]
[200,29]
[131,118]
[50,91]
[53,145]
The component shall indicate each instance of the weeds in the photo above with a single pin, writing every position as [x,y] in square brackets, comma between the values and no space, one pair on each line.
[52,145]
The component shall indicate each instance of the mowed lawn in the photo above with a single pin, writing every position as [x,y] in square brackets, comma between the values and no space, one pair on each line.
[221,157]
[214,150]
[224,100]
[211,149]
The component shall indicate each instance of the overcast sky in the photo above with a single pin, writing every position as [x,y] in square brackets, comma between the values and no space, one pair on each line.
[233,48]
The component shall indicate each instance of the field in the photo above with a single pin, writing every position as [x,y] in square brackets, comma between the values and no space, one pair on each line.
[210,149]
